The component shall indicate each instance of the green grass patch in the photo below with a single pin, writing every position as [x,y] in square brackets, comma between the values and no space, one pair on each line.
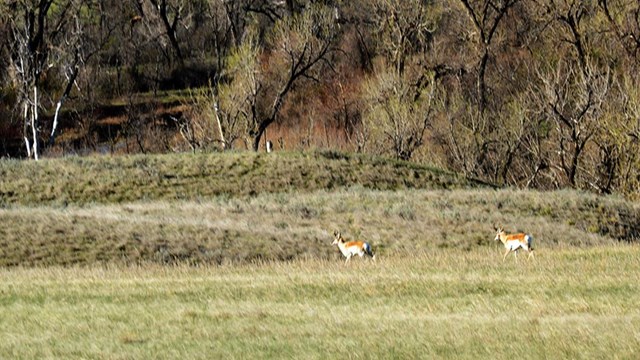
[86,180]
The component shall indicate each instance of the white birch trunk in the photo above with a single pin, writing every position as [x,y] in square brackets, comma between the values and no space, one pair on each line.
[55,119]
[34,123]
[224,142]
[26,119]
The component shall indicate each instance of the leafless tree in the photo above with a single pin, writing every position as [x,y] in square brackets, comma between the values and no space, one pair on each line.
[574,96]
[403,29]
[624,18]
[399,113]
[36,32]
[171,13]
[486,16]
[301,45]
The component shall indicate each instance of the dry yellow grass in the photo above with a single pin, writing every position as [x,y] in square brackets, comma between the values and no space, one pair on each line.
[287,226]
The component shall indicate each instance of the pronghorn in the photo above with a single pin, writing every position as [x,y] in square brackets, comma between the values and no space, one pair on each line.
[514,242]
[350,248]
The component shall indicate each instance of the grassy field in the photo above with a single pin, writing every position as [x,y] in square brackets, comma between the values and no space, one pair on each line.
[245,207]
[292,226]
[569,303]
[229,256]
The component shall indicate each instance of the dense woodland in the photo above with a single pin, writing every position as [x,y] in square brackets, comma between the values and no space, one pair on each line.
[536,94]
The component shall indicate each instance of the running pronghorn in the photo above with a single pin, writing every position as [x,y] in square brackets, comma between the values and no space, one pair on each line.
[350,248]
[515,242]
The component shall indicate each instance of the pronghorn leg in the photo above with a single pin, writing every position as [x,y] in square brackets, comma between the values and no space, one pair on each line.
[348,258]
[515,255]
[505,255]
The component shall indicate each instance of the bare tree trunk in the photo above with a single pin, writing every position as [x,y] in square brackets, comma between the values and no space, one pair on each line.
[34,122]
[220,130]
[71,79]
[24,131]
[55,123]
[258,135]
[170,25]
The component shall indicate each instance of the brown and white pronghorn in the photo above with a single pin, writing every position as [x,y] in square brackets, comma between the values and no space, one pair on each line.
[514,242]
[350,248]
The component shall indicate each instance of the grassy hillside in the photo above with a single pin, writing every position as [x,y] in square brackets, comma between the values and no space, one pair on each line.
[244,207]
[569,304]
[82,180]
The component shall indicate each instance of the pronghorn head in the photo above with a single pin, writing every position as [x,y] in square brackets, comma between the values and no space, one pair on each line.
[338,238]
[499,231]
